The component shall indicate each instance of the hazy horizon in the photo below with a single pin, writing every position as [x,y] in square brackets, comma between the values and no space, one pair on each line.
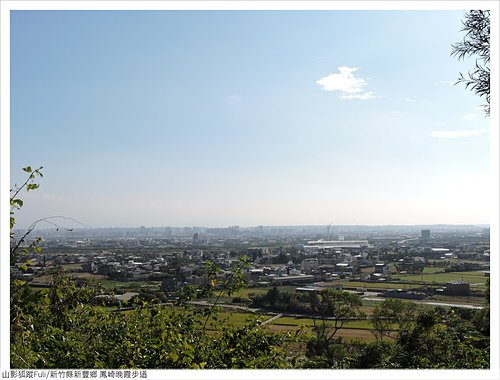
[76,226]
[247,118]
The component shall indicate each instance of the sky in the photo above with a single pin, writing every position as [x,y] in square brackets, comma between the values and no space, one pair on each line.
[219,118]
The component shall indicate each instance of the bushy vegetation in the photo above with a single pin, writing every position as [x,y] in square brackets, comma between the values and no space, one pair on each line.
[283,301]
[58,328]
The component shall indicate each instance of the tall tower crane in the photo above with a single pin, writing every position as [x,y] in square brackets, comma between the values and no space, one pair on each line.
[328,228]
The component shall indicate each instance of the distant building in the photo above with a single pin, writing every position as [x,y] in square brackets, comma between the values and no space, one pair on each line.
[440,252]
[426,235]
[307,290]
[89,266]
[381,268]
[400,293]
[377,277]
[343,267]
[336,244]
[280,280]
[307,265]
[411,264]
[256,254]
[457,288]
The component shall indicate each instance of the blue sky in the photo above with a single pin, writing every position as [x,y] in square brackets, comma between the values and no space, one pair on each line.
[217,118]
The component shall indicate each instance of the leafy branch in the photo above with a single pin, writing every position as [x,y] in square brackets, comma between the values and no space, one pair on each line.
[476,42]
[232,284]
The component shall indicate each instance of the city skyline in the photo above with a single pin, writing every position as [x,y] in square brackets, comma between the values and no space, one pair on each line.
[223,118]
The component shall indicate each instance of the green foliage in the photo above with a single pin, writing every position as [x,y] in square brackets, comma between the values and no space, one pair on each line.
[247,347]
[487,291]
[231,284]
[15,205]
[441,341]
[327,353]
[476,42]
[337,306]
[392,316]
[334,309]
[60,329]
[373,355]
[291,302]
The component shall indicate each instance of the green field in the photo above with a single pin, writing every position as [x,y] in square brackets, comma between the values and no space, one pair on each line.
[308,322]
[237,319]
[350,330]
[110,284]
[367,285]
[433,269]
[475,278]
[71,267]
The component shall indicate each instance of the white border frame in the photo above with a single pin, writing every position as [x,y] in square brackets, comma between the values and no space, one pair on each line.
[10,5]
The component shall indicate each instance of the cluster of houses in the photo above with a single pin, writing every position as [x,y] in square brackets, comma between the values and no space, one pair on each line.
[181,262]
[132,268]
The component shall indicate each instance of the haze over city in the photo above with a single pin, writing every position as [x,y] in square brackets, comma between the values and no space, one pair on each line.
[220,118]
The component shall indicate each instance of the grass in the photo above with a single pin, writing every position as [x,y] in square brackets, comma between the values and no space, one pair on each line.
[441,278]
[475,301]
[237,319]
[308,322]
[126,284]
[433,269]
[46,279]
[367,285]
[350,330]
[475,278]
[71,267]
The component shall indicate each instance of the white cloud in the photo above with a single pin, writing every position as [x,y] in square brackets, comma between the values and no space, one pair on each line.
[410,100]
[350,86]
[469,116]
[439,124]
[399,113]
[459,134]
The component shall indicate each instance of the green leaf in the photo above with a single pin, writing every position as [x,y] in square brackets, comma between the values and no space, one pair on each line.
[28,169]
[32,186]
[18,202]
[174,356]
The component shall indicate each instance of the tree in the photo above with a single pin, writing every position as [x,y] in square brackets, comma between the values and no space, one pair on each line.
[392,316]
[476,42]
[441,338]
[334,309]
